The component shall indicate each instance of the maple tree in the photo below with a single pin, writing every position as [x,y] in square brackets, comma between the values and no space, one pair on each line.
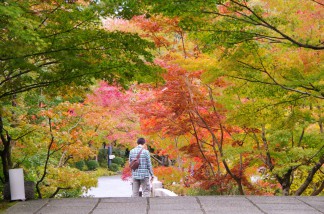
[117,117]
[62,43]
[180,108]
[263,82]
[241,96]
[57,141]
[236,27]
[60,46]
[71,132]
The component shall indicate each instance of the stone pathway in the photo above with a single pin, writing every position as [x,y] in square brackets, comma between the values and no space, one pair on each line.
[110,186]
[174,205]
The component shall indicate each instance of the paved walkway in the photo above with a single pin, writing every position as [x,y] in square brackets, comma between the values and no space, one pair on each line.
[110,186]
[174,205]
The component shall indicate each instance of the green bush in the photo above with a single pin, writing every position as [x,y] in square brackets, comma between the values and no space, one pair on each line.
[102,155]
[104,172]
[73,193]
[80,165]
[200,192]
[119,151]
[118,160]
[92,165]
[114,167]
[103,164]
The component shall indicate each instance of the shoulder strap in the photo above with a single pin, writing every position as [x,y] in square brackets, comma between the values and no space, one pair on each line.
[138,155]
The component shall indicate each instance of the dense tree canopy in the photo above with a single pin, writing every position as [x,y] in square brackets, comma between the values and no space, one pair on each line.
[59,48]
[52,43]
[239,110]
[262,63]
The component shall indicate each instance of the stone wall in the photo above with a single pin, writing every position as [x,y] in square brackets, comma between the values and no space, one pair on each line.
[29,191]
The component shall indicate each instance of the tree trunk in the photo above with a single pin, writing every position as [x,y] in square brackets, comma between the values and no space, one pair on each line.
[285,182]
[5,153]
[310,176]
[240,186]
[198,143]
[285,188]
[5,166]
[320,121]
[319,190]
[46,162]
[57,190]
[236,178]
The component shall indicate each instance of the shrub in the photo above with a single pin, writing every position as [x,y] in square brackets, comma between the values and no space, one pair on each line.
[103,164]
[70,193]
[114,167]
[118,160]
[104,172]
[80,165]
[92,165]
[102,155]
[119,151]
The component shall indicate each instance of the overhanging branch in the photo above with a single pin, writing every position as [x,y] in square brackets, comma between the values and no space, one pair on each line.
[266,24]
[48,83]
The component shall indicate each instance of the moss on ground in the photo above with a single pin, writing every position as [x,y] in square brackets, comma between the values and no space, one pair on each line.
[4,205]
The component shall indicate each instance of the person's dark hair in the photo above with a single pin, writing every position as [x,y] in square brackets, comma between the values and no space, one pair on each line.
[141,141]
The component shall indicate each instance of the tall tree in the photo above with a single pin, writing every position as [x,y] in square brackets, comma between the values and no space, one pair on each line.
[59,46]
[115,117]
[61,42]
[271,60]
[229,25]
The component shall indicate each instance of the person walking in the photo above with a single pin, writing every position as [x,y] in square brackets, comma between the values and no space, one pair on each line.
[141,176]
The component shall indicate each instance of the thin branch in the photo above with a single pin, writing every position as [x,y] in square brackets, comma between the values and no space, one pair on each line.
[71,29]
[197,139]
[204,142]
[162,42]
[265,143]
[8,78]
[183,44]
[317,2]
[255,137]
[47,17]
[27,133]
[27,88]
[76,124]
[310,159]
[17,164]
[275,82]
[312,88]
[232,17]
[255,35]
[310,176]
[58,189]
[71,48]
[319,190]
[271,27]
[279,103]
[236,178]
[154,158]
[250,80]
[47,159]
[45,84]
[301,137]
[67,159]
